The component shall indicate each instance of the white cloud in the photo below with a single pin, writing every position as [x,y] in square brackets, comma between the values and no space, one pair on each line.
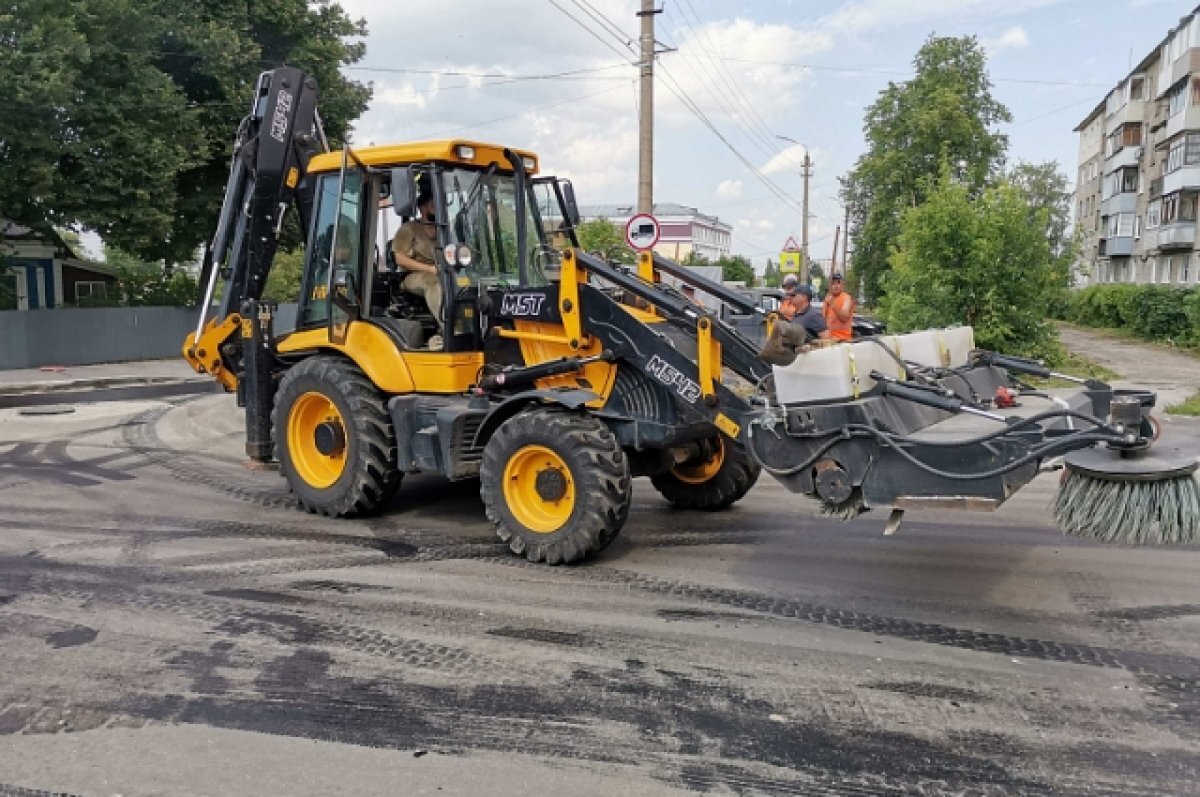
[401,96]
[755,225]
[1015,38]
[741,85]
[867,16]
[729,189]
[789,160]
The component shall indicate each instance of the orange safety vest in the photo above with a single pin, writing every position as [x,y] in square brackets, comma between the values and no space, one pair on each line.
[838,329]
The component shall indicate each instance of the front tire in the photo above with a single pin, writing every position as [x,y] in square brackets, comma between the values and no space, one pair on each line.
[712,485]
[334,439]
[556,485]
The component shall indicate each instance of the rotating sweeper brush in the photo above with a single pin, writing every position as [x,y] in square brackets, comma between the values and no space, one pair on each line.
[1132,491]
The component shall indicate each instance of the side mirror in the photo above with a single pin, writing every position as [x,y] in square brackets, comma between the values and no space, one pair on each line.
[570,208]
[404,191]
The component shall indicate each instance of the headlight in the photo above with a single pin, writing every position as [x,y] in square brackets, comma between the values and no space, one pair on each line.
[529,163]
[458,255]
[465,152]
[464,255]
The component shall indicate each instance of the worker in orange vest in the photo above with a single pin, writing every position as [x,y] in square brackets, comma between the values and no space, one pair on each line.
[838,309]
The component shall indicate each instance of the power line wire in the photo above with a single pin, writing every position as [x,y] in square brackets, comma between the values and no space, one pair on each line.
[587,28]
[755,120]
[900,72]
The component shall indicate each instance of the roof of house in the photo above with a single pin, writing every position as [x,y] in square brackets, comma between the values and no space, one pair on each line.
[661,210]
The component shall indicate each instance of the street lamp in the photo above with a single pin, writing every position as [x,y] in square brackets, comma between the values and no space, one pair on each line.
[805,172]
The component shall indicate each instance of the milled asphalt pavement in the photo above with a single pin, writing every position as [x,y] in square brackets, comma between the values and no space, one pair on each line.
[170,623]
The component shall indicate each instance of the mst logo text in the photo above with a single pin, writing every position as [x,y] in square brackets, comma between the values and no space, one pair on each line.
[522,304]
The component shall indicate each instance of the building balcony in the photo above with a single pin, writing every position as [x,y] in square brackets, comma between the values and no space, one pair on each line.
[1180,235]
[1185,65]
[1180,179]
[1187,119]
[1132,111]
[1126,156]
[1120,203]
[1120,246]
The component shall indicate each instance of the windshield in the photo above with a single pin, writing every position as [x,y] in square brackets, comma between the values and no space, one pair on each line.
[482,210]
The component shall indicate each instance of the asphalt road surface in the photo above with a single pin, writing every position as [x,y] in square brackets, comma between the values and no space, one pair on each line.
[170,624]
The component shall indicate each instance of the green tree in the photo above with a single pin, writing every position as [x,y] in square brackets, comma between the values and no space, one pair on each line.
[144,283]
[283,283]
[120,114]
[978,259]
[735,268]
[1046,188]
[604,239]
[944,114]
[772,278]
[693,259]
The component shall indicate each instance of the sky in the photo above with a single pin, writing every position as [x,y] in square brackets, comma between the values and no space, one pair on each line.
[527,73]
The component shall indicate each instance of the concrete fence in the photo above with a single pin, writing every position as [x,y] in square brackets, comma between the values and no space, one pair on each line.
[86,336]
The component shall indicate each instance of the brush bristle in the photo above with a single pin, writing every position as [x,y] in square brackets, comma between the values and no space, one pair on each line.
[1165,512]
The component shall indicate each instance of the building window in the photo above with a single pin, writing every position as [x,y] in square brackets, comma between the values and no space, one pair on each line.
[1185,268]
[90,292]
[1120,225]
[1178,207]
[1137,88]
[1131,135]
[1166,272]
[1196,92]
[1177,100]
[1153,211]
[1184,152]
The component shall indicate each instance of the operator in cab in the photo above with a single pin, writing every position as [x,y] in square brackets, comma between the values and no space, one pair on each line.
[415,250]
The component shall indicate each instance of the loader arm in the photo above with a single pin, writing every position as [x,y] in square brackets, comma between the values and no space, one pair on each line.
[267,176]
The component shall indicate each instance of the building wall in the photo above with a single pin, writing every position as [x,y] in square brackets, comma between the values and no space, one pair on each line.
[1138,216]
[682,230]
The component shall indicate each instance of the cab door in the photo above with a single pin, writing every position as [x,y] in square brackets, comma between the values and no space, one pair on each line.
[332,289]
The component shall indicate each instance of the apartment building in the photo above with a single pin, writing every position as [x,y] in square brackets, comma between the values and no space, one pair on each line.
[1138,177]
[683,229]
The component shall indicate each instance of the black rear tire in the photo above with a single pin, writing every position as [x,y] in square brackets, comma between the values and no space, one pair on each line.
[369,476]
[582,461]
[729,484]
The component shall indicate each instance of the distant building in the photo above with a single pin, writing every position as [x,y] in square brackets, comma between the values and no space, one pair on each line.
[38,272]
[1138,178]
[682,229]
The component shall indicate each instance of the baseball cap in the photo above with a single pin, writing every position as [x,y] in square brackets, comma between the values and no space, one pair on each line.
[790,281]
[804,290]
[837,275]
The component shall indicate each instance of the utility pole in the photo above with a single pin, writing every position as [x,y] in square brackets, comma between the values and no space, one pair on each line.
[807,172]
[846,243]
[646,111]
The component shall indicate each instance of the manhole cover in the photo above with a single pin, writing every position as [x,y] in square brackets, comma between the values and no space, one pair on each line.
[49,409]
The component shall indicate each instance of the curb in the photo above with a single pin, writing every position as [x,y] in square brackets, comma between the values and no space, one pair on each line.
[104,389]
[97,383]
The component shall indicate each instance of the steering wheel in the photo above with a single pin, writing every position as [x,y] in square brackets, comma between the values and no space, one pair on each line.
[544,256]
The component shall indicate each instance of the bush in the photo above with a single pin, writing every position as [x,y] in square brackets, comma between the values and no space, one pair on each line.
[1154,312]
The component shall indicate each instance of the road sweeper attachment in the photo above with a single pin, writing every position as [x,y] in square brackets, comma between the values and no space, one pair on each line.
[927,420]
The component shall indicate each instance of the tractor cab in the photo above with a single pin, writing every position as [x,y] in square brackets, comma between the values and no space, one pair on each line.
[488,235]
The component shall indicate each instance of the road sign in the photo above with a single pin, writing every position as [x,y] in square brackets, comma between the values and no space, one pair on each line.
[641,231]
[789,262]
[790,244]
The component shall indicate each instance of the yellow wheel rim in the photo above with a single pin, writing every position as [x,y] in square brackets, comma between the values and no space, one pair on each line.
[701,472]
[539,489]
[309,412]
